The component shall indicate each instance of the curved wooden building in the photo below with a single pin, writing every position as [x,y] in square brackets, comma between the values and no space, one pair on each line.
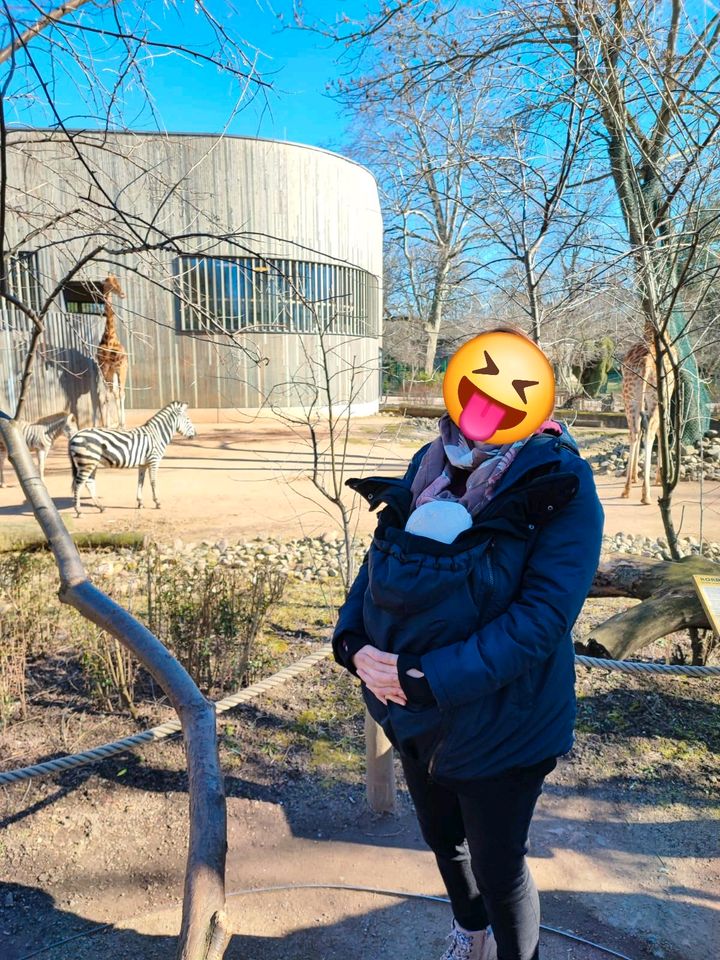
[252,271]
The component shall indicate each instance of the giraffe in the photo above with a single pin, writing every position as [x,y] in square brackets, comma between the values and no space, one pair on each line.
[639,393]
[112,358]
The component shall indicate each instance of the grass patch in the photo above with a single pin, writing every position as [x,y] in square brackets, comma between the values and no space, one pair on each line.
[657,737]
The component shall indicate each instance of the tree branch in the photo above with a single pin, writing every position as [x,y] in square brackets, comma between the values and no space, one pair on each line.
[205,933]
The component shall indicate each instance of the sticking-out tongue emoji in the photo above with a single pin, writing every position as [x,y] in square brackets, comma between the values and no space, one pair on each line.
[499,387]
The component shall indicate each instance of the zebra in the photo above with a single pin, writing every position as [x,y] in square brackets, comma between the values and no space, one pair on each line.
[141,447]
[40,437]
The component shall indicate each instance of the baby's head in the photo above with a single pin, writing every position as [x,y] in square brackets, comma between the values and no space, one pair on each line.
[442,520]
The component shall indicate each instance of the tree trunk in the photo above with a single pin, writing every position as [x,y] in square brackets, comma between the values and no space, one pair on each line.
[534,304]
[432,328]
[26,379]
[431,348]
[670,602]
[204,934]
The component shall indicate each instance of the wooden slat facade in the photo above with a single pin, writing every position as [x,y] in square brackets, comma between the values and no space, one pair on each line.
[237,197]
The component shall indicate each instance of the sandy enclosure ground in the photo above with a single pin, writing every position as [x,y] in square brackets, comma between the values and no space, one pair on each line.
[245,479]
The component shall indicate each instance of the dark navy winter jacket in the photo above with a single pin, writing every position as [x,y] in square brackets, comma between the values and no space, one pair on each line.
[490,615]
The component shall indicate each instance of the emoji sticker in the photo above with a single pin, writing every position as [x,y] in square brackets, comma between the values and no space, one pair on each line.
[499,387]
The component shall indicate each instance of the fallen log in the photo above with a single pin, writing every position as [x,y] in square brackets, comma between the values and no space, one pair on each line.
[669,601]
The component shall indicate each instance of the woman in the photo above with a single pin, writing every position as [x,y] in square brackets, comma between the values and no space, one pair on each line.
[465,655]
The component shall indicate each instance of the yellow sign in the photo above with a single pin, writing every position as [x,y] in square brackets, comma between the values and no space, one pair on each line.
[708,589]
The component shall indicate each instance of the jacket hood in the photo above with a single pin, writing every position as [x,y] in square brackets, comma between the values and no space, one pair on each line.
[540,450]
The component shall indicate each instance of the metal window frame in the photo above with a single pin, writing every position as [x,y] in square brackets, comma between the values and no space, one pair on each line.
[24,270]
[274,295]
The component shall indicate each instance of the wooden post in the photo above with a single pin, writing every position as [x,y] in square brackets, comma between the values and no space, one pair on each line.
[380,769]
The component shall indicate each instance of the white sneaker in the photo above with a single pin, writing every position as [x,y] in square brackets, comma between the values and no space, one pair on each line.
[470,946]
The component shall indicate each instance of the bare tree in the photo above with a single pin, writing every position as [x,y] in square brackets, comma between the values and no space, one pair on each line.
[404,337]
[420,142]
[653,77]
[647,78]
[96,219]
[318,399]
[532,176]
[95,222]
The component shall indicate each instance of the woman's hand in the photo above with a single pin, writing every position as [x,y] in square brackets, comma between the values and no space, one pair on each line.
[379,673]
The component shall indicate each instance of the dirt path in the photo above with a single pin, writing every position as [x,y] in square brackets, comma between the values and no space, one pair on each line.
[608,879]
[637,871]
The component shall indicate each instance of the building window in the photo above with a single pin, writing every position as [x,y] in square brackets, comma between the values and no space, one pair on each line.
[83,297]
[25,279]
[226,295]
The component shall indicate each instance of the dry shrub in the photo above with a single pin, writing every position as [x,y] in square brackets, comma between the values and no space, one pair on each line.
[13,659]
[23,631]
[210,617]
[109,670]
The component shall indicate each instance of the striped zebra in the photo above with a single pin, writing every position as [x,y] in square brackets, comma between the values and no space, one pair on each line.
[40,437]
[141,447]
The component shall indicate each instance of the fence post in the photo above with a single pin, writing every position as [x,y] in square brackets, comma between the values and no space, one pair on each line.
[380,782]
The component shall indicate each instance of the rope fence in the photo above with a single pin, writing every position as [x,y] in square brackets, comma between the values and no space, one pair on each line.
[636,666]
[173,728]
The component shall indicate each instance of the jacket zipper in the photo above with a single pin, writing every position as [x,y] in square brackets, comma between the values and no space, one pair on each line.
[432,763]
[488,561]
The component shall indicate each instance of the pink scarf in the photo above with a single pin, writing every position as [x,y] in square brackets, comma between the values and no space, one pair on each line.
[484,463]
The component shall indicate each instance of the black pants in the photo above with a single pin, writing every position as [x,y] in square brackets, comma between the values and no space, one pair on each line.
[479,838]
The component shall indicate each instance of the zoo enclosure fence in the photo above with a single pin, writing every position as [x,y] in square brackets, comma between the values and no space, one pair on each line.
[380,776]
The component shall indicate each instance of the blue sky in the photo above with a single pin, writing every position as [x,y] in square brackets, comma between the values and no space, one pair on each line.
[196,97]
[297,63]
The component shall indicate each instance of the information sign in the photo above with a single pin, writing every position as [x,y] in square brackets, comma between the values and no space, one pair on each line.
[708,589]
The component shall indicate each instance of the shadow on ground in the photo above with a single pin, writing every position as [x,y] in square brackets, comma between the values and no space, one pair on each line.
[299,925]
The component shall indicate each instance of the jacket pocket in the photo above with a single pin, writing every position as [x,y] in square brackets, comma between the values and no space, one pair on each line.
[478,733]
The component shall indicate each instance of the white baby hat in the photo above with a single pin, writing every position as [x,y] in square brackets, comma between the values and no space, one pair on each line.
[441,520]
